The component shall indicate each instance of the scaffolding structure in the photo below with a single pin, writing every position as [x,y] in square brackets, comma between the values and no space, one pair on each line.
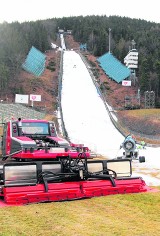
[149,99]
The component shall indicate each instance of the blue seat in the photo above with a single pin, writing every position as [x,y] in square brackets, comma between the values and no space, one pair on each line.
[113,67]
[35,62]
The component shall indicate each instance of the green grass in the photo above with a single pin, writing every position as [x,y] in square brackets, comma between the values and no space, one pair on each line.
[120,215]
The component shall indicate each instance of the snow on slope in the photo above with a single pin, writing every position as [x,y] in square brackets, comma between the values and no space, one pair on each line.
[86,118]
[87,121]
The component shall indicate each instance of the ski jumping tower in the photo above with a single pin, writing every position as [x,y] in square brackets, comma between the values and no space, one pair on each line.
[131,61]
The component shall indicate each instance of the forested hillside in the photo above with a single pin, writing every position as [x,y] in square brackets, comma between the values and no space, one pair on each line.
[15,42]
[16,39]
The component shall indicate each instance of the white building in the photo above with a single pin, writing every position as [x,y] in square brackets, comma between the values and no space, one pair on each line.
[131,60]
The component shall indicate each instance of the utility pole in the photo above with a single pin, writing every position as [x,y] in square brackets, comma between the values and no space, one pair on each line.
[109,40]
[133,44]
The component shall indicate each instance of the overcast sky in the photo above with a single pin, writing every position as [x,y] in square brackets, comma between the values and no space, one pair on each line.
[31,10]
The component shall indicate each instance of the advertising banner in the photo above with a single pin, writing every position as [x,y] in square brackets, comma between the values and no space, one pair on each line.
[126,82]
[34,97]
[21,98]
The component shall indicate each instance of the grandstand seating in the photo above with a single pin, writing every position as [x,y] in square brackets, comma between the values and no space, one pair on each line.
[113,67]
[35,62]
[13,111]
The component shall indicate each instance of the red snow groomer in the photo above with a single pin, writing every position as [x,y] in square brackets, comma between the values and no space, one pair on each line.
[37,140]
[38,166]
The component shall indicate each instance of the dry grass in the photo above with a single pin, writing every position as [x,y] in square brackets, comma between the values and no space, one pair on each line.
[121,215]
[143,122]
[1,130]
[145,113]
[50,117]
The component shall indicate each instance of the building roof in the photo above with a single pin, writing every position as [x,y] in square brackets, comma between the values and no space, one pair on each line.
[113,67]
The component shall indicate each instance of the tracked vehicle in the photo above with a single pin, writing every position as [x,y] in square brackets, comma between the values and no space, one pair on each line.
[38,166]
[37,140]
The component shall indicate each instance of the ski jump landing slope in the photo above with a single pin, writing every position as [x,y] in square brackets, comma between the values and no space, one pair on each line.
[84,113]
[87,121]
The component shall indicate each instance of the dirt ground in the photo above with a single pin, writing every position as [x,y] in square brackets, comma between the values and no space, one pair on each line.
[45,85]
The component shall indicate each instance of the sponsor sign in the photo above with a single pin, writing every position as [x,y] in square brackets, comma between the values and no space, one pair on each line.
[20,98]
[126,82]
[34,97]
